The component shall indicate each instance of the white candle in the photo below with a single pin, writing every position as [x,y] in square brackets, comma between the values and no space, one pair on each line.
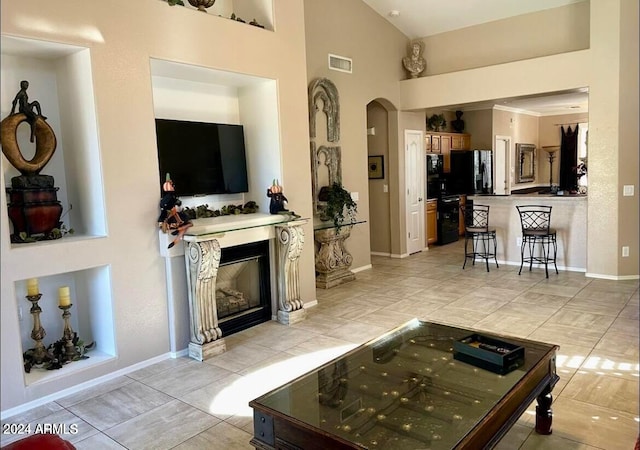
[32,286]
[64,298]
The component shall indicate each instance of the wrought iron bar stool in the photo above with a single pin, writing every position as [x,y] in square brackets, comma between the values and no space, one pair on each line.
[477,232]
[537,234]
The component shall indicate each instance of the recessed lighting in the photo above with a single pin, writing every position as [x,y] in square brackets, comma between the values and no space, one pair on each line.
[394,13]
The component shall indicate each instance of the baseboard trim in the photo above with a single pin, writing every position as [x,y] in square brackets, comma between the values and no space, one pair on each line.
[613,277]
[540,266]
[400,256]
[380,254]
[311,303]
[360,269]
[79,387]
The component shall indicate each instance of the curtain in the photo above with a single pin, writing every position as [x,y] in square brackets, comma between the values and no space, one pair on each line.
[568,159]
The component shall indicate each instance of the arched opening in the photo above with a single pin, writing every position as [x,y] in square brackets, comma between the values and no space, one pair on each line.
[382,142]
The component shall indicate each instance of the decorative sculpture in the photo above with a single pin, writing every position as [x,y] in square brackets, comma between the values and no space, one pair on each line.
[414,63]
[172,219]
[34,209]
[458,124]
[274,192]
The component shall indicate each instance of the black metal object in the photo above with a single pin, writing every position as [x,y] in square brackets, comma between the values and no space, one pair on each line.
[448,219]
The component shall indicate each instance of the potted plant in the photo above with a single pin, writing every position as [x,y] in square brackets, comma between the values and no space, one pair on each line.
[436,122]
[338,205]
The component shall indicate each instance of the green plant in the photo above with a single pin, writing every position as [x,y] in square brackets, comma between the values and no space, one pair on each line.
[338,205]
[436,122]
[56,354]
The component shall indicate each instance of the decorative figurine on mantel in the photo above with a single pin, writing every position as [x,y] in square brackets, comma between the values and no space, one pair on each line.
[172,219]
[414,63]
[34,209]
[274,192]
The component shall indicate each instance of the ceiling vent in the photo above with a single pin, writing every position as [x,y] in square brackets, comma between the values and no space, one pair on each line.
[340,63]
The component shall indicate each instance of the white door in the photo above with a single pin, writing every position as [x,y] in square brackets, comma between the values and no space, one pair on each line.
[414,161]
[502,174]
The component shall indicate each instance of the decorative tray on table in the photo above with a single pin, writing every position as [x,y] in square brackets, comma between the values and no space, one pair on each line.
[489,353]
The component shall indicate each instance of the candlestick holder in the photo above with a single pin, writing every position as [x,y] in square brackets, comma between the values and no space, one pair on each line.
[40,354]
[67,335]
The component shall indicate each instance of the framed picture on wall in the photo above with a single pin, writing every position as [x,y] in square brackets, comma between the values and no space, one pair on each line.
[376,167]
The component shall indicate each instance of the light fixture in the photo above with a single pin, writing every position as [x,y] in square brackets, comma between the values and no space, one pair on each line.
[551,150]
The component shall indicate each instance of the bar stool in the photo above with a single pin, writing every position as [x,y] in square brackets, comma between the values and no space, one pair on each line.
[483,239]
[537,234]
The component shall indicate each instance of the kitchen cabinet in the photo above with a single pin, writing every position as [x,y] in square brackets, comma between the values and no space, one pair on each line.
[445,151]
[443,143]
[463,202]
[432,143]
[431,222]
[460,141]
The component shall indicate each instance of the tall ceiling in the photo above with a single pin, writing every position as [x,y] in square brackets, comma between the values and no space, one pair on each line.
[422,18]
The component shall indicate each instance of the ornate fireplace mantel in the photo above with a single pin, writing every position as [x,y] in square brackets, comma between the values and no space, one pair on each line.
[203,249]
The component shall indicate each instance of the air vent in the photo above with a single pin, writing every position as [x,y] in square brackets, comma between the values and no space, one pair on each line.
[340,63]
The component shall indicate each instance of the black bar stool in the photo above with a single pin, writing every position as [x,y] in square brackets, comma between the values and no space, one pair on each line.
[537,234]
[483,239]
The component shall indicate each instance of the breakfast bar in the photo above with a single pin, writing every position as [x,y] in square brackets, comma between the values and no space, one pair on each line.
[568,217]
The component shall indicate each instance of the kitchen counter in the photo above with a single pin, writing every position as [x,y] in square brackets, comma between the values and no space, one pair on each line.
[568,217]
[533,195]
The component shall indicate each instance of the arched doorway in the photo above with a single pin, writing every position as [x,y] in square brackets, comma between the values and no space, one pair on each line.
[382,139]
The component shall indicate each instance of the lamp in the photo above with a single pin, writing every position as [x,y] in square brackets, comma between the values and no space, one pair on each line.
[551,150]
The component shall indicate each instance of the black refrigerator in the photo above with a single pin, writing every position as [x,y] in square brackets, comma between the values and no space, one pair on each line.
[471,172]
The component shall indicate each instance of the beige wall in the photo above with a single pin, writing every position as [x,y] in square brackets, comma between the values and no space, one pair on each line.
[354,30]
[122,35]
[379,211]
[479,124]
[543,33]
[613,219]
[628,138]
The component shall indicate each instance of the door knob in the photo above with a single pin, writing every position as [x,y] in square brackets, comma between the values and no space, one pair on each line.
[419,199]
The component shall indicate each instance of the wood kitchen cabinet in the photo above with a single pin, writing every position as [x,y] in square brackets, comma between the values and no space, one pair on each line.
[445,151]
[431,222]
[443,143]
[460,141]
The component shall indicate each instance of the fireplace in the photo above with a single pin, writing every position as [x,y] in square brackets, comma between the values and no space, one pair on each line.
[243,287]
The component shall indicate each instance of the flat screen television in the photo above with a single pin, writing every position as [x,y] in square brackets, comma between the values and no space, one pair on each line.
[202,158]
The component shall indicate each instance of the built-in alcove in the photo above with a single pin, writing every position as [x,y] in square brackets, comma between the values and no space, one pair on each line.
[200,94]
[60,80]
[91,317]
[260,11]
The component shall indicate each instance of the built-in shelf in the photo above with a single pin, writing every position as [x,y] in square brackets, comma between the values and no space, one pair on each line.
[60,80]
[91,317]
[260,11]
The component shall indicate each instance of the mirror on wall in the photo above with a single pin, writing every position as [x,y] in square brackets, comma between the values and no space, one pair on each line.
[525,154]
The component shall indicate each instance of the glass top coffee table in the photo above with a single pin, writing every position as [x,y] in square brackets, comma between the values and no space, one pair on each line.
[405,390]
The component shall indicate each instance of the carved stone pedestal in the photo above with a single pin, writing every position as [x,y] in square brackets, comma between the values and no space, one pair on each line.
[205,351]
[332,258]
[290,238]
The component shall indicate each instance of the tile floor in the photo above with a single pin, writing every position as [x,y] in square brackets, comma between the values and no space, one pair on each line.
[183,404]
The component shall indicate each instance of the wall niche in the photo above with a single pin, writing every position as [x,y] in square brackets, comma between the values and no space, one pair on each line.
[60,80]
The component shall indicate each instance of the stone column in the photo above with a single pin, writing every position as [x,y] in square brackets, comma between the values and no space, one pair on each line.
[203,259]
[332,258]
[290,238]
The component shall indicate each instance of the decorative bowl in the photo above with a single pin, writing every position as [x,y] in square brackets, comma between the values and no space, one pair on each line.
[202,4]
